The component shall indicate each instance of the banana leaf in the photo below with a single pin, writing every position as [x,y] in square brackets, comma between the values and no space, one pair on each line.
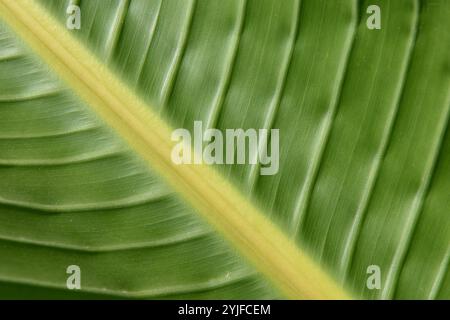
[364,164]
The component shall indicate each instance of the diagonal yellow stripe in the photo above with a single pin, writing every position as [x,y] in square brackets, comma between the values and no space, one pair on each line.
[255,236]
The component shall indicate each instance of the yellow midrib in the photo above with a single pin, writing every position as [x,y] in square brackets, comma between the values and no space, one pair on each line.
[255,236]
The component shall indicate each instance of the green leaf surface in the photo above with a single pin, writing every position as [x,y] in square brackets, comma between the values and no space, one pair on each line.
[364,160]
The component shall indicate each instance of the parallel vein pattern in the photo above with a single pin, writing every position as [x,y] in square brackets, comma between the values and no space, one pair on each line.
[71,190]
[363,116]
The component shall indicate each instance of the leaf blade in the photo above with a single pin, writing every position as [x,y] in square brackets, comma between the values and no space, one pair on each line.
[244,225]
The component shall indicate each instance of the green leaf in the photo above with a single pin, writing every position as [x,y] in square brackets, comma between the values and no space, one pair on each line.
[364,163]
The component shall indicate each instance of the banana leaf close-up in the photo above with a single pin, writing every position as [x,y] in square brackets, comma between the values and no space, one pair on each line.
[350,98]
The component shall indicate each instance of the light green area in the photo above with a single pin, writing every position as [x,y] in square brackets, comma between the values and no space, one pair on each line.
[364,174]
